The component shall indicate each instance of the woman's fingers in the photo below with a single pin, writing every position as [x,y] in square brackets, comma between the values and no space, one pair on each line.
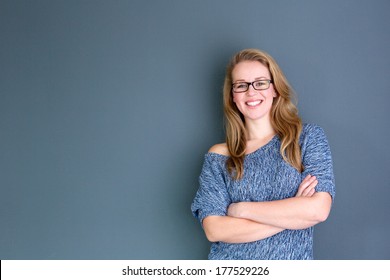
[307,186]
[305,182]
[310,189]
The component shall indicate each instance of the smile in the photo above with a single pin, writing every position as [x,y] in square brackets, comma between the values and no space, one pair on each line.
[253,103]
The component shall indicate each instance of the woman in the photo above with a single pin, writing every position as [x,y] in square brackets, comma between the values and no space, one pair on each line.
[263,190]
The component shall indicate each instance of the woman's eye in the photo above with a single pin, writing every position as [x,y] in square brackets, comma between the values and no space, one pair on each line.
[260,84]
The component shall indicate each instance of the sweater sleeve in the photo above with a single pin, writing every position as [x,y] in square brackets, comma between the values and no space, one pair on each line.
[212,198]
[317,159]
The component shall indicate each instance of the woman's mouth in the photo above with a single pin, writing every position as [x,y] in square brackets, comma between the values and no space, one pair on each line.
[253,103]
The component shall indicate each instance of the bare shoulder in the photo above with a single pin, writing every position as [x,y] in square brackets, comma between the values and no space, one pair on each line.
[221,149]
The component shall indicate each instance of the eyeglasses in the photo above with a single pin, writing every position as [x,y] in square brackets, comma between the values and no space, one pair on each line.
[257,85]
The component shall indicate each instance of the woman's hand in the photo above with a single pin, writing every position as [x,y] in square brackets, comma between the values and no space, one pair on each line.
[234,209]
[307,186]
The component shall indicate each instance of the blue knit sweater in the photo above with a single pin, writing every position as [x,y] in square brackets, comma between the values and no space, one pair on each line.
[266,177]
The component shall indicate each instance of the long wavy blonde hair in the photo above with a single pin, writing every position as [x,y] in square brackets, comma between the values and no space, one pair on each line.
[284,115]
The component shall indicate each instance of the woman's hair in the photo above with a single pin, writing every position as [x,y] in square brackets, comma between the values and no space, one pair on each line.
[284,115]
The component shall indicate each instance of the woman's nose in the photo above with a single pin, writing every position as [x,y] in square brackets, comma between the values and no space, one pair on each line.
[251,91]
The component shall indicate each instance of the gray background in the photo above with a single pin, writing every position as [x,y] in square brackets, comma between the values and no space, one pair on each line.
[107,108]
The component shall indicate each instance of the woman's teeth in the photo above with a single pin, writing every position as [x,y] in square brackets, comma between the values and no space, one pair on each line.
[253,103]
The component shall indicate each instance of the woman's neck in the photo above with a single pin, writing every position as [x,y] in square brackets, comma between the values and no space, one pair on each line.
[259,129]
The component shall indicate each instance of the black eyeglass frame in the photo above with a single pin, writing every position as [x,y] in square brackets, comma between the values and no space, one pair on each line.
[253,85]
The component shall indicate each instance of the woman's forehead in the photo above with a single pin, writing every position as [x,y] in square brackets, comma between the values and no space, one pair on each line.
[250,70]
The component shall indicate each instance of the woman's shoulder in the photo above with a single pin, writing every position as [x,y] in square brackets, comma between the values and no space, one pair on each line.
[311,129]
[220,149]
[312,133]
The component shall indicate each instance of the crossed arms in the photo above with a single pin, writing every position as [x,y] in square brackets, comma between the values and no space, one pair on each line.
[251,221]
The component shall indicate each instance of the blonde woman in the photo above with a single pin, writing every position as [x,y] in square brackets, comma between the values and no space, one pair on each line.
[263,190]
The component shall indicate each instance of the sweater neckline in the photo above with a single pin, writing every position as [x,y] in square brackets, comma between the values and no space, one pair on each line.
[252,154]
[264,147]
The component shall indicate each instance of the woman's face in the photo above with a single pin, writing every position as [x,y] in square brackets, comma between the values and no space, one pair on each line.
[253,104]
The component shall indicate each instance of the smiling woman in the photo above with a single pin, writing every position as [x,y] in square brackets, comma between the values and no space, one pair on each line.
[255,101]
[263,190]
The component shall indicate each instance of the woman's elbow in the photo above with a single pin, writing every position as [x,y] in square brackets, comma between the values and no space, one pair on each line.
[322,216]
[210,229]
[323,206]
[210,236]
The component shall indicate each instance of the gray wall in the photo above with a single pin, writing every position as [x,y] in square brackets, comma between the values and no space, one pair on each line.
[107,108]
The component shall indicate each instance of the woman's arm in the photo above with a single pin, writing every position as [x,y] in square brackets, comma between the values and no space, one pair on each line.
[292,213]
[234,230]
[239,230]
